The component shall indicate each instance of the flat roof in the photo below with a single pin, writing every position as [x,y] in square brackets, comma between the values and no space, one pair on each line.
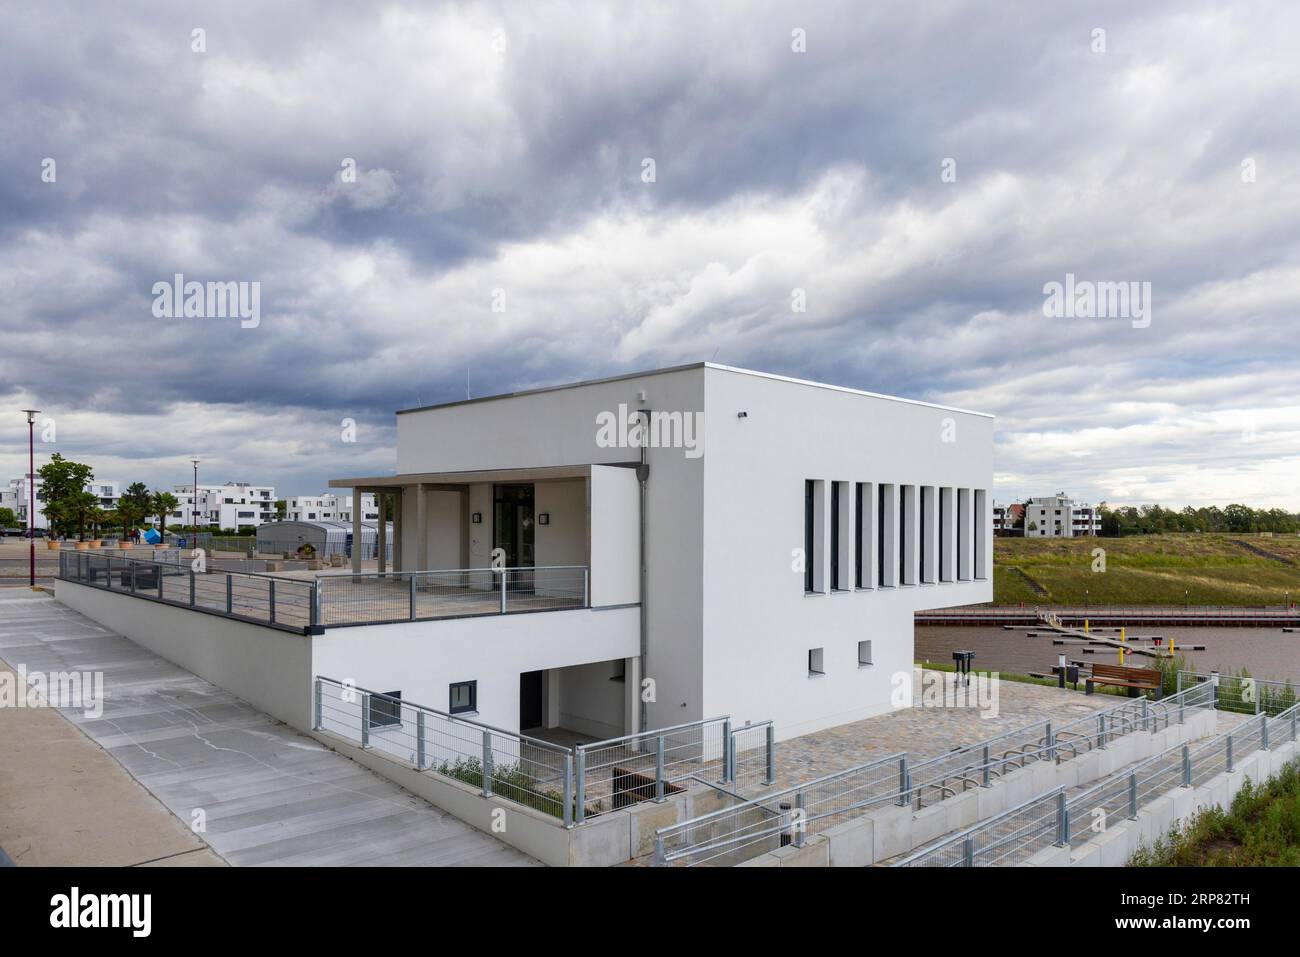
[540,474]
[683,368]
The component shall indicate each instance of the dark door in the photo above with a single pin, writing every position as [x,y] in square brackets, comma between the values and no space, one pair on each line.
[513,531]
[530,700]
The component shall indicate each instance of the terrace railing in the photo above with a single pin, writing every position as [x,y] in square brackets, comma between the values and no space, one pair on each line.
[528,771]
[374,598]
[285,603]
[230,587]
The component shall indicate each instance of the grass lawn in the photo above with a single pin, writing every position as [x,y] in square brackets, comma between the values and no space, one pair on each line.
[1261,829]
[1210,569]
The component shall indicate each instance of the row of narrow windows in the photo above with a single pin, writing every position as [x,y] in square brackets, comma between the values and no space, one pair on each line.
[883,534]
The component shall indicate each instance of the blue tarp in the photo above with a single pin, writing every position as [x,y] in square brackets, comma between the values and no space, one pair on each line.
[151,536]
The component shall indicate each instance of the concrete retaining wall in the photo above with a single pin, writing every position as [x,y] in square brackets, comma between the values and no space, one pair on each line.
[268,668]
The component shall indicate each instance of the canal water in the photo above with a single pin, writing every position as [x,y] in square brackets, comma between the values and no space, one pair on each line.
[1264,652]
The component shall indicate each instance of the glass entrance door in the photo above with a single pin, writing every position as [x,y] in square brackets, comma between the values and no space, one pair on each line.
[513,531]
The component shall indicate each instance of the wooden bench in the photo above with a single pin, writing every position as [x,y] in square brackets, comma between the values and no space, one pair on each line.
[1135,679]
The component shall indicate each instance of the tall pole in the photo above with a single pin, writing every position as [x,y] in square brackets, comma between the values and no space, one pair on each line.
[194,506]
[31,495]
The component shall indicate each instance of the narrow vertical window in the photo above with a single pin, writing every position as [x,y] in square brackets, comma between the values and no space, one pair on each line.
[835,536]
[809,541]
[883,532]
[860,541]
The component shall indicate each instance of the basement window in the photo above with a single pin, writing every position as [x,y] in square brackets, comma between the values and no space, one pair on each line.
[463,697]
[816,661]
[385,713]
[864,653]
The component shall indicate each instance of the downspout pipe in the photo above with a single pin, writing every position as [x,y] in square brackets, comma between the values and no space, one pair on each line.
[643,477]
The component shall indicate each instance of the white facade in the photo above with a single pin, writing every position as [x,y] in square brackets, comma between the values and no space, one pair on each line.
[16,497]
[232,505]
[768,594]
[328,507]
[1058,516]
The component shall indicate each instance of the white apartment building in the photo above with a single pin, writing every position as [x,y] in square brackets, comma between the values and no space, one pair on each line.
[1058,516]
[328,507]
[232,505]
[17,496]
[790,531]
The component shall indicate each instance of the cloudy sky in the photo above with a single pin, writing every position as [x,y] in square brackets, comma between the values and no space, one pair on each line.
[919,171]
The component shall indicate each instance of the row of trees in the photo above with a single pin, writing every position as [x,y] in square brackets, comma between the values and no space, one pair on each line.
[71,509]
[1152,519]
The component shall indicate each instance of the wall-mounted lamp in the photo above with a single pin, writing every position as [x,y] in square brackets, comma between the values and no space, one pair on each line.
[477,518]
[544,518]
[742,415]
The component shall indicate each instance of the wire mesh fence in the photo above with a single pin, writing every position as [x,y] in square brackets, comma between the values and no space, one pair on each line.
[753,755]
[739,833]
[528,771]
[650,766]
[1241,693]
[1081,817]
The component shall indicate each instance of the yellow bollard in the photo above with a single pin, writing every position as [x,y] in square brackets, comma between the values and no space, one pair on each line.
[1121,650]
[1172,647]
[1085,626]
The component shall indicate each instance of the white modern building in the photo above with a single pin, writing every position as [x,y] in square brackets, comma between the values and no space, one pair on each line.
[17,496]
[232,505]
[789,530]
[1058,516]
[328,507]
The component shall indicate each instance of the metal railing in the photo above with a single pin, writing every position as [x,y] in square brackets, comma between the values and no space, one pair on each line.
[725,837]
[528,771]
[374,598]
[1063,820]
[1278,610]
[979,764]
[286,603]
[753,755]
[1242,694]
[651,765]
[239,589]
[788,816]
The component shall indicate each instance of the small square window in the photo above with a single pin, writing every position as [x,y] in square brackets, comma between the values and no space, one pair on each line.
[463,697]
[386,709]
[864,652]
[816,664]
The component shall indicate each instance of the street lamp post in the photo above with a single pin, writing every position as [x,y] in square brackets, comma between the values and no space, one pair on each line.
[194,506]
[31,494]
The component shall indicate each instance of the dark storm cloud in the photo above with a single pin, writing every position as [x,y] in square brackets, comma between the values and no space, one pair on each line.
[500,147]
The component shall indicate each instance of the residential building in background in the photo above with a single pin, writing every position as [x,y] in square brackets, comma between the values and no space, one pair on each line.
[1007,519]
[328,507]
[232,505]
[16,496]
[1058,516]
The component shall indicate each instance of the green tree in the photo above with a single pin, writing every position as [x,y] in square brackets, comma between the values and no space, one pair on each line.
[163,504]
[63,492]
[7,518]
[281,509]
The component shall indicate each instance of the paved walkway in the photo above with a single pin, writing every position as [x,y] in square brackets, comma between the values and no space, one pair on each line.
[927,731]
[270,795]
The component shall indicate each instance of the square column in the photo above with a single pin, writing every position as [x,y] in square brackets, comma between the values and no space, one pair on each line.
[356,531]
[381,531]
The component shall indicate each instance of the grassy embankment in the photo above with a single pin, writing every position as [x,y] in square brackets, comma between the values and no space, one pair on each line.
[1209,569]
